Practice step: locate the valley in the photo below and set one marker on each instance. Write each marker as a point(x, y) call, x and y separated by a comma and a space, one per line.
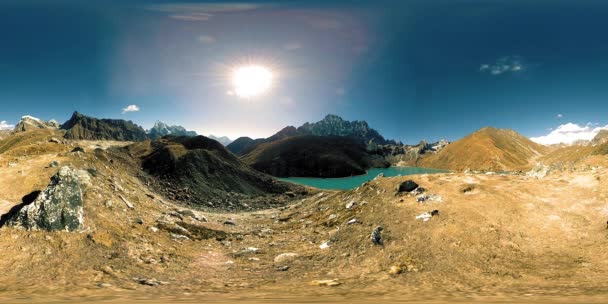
point(181, 218)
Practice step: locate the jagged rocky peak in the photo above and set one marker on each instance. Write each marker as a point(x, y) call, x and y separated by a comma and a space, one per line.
point(29, 122)
point(83, 127)
point(335, 125)
point(161, 129)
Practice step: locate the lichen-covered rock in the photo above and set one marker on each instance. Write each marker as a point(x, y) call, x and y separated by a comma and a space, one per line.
point(58, 207)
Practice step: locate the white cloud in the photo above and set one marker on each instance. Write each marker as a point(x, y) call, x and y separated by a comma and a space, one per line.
point(130, 108)
point(206, 39)
point(5, 126)
point(568, 134)
point(560, 115)
point(200, 11)
point(191, 16)
point(292, 46)
point(507, 64)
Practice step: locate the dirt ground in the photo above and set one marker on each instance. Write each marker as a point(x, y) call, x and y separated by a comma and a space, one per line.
point(497, 238)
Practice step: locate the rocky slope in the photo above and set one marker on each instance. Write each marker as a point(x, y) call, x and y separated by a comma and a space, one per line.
point(161, 129)
point(28, 123)
point(244, 145)
point(89, 128)
point(600, 138)
point(199, 171)
point(487, 149)
point(313, 156)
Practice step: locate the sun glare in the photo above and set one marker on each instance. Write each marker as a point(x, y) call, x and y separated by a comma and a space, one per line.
point(252, 80)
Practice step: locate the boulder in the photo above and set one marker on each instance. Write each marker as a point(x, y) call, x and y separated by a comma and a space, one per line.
point(58, 207)
point(408, 186)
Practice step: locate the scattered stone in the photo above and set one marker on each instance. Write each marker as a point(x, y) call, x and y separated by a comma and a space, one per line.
point(329, 283)
point(192, 214)
point(129, 205)
point(332, 217)
point(104, 285)
point(78, 149)
point(408, 186)
point(58, 207)
point(139, 221)
point(350, 205)
point(425, 217)
point(290, 194)
point(54, 164)
point(229, 223)
point(179, 237)
point(376, 236)
point(395, 270)
point(54, 140)
point(422, 198)
point(418, 190)
point(153, 229)
point(282, 268)
point(150, 282)
point(324, 245)
point(285, 257)
point(92, 171)
point(467, 188)
point(352, 221)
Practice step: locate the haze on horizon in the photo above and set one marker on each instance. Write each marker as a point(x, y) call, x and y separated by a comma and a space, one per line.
point(413, 70)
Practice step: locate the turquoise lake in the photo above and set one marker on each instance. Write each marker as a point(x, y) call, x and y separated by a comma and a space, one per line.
point(347, 183)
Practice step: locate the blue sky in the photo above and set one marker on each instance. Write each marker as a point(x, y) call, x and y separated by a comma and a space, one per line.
point(413, 69)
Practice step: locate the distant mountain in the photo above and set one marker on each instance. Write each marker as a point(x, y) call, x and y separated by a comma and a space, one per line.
point(331, 125)
point(88, 128)
point(244, 145)
point(313, 156)
point(28, 123)
point(161, 129)
point(335, 125)
point(222, 140)
point(486, 149)
point(199, 170)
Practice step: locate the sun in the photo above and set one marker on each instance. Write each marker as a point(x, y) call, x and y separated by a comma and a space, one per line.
point(251, 80)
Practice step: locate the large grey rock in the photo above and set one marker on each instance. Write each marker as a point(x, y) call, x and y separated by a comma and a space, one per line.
point(58, 207)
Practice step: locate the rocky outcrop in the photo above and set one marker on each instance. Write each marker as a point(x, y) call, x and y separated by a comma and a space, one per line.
point(600, 138)
point(88, 128)
point(161, 129)
point(244, 145)
point(58, 207)
point(28, 123)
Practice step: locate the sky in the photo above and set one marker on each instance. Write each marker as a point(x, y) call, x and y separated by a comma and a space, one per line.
point(428, 69)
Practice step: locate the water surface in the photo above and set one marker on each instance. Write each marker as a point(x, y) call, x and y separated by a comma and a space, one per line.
point(347, 183)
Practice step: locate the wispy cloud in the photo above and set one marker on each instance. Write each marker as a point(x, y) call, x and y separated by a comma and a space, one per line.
point(207, 39)
point(560, 116)
point(292, 46)
point(201, 11)
point(507, 64)
point(130, 108)
point(191, 16)
point(5, 126)
point(569, 133)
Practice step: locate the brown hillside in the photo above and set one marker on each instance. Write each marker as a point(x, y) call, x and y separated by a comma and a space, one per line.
point(487, 149)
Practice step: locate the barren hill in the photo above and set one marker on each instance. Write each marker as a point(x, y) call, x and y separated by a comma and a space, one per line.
point(200, 171)
point(313, 156)
point(487, 149)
